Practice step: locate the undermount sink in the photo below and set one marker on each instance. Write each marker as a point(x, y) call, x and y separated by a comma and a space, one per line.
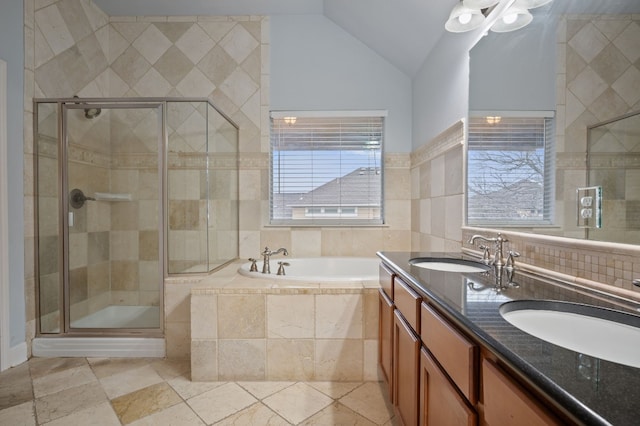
point(448, 265)
point(599, 332)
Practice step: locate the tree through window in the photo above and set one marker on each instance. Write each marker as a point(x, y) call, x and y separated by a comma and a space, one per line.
point(510, 170)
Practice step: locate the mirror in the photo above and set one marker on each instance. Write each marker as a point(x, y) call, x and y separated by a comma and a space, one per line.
point(579, 61)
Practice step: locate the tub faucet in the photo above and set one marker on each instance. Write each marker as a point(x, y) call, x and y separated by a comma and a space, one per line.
point(266, 255)
point(499, 240)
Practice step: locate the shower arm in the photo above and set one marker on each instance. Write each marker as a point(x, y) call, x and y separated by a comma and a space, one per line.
point(77, 198)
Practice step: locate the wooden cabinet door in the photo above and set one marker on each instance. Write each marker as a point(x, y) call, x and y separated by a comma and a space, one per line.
point(507, 403)
point(406, 363)
point(385, 338)
point(440, 402)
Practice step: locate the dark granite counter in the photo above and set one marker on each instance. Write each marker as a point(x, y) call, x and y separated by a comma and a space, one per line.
point(593, 391)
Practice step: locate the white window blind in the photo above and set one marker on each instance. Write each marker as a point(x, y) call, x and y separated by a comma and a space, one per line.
point(510, 176)
point(326, 169)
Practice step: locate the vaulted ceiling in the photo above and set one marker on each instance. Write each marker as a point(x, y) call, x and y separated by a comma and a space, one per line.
point(401, 31)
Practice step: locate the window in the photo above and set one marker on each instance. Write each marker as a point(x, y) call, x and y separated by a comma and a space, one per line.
point(510, 176)
point(326, 168)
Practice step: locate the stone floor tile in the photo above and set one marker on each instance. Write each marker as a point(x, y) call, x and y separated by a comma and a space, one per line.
point(230, 398)
point(188, 389)
point(170, 368)
point(337, 414)
point(176, 415)
point(40, 367)
point(15, 386)
point(68, 401)
point(144, 402)
point(335, 389)
point(297, 402)
point(18, 415)
point(106, 367)
point(61, 380)
point(262, 390)
point(371, 401)
point(100, 415)
point(129, 381)
point(256, 415)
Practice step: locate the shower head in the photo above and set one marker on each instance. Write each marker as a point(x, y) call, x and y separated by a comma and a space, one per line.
point(92, 112)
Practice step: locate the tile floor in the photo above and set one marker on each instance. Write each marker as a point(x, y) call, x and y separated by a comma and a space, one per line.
point(115, 391)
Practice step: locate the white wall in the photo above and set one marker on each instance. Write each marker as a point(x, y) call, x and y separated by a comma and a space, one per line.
point(441, 87)
point(316, 65)
point(12, 51)
point(515, 71)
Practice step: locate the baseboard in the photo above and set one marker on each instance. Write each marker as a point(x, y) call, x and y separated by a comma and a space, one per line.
point(16, 355)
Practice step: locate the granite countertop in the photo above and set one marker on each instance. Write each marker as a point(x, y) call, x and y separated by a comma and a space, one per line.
point(592, 390)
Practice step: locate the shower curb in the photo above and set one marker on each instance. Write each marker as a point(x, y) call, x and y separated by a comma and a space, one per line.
point(102, 347)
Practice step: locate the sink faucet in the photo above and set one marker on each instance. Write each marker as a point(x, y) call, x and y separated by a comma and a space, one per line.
point(499, 240)
point(266, 255)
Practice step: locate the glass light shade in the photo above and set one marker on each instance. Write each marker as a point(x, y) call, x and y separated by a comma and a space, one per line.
point(463, 19)
point(530, 4)
point(512, 19)
point(479, 4)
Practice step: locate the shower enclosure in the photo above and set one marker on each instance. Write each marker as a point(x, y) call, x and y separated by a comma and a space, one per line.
point(128, 192)
point(613, 163)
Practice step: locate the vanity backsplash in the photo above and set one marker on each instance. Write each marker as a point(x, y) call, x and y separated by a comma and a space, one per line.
point(584, 262)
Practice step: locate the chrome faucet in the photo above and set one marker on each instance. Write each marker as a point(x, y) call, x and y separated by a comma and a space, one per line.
point(266, 255)
point(499, 240)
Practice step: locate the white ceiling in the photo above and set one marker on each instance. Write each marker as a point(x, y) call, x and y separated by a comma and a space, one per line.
point(401, 31)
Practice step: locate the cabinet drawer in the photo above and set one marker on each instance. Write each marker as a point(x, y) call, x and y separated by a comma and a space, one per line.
point(386, 280)
point(407, 302)
point(440, 402)
point(506, 402)
point(455, 353)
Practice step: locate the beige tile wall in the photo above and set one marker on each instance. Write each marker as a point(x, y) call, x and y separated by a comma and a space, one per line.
point(437, 197)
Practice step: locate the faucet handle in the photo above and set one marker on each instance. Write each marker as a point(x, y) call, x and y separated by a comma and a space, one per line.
point(281, 268)
point(512, 254)
point(254, 267)
point(485, 253)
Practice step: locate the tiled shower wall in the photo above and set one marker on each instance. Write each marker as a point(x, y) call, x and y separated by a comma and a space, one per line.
point(598, 79)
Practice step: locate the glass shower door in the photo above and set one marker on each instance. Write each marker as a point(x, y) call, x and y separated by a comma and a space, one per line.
point(113, 227)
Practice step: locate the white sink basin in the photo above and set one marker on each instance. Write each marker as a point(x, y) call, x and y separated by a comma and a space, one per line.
point(602, 333)
point(448, 265)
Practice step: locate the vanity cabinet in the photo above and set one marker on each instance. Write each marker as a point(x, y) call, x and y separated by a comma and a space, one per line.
point(440, 375)
point(507, 403)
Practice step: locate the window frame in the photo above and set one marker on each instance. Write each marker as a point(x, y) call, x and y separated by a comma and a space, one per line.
point(323, 219)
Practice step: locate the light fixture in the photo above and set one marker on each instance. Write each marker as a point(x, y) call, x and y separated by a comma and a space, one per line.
point(463, 19)
point(512, 19)
point(290, 120)
point(469, 14)
point(493, 119)
point(480, 4)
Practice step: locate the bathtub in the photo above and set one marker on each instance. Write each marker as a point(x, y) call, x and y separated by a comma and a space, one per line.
point(313, 269)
